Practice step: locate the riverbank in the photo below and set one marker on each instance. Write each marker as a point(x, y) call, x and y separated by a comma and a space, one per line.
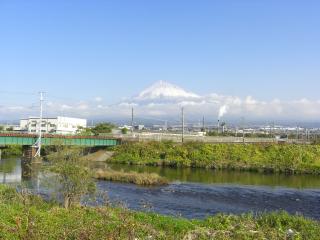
point(273, 158)
point(99, 156)
point(29, 217)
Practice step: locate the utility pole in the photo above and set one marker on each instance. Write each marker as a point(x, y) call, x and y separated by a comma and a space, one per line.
point(131, 120)
point(243, 133)
point(273, 129)
point(39, 141)
point(182, 120)
point(270, 130)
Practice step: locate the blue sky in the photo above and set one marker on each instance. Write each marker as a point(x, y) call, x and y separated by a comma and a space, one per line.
point(113, 49)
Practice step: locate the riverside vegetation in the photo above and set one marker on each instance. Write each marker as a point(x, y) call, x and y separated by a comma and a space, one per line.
point(25, 216)
point(289, 158)
point(144, 179)
point(253, 157)
point(12, 151)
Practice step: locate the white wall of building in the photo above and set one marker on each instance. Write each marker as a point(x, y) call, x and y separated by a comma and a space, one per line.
point(66, 125)
point(58, 125)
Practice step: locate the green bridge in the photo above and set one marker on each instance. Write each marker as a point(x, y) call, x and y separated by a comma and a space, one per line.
point(30, 140)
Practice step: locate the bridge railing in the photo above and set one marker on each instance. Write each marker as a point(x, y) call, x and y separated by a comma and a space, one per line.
point(49, 139)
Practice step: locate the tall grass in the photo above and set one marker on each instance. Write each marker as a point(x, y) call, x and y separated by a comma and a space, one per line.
point(12, 151)
point(24, 216)
point(145, 179)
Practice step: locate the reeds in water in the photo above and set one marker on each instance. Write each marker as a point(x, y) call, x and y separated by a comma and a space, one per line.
point(144, 179)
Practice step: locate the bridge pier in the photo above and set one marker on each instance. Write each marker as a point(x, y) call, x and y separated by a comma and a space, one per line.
point(29, 162)
point(29, 168)
point(28, 152)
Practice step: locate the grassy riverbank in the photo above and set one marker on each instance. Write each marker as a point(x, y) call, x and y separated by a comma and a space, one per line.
point(252, 157)
point(144, 179)
point(29, 217)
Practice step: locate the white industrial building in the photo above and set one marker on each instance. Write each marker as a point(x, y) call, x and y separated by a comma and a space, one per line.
point(57, 125)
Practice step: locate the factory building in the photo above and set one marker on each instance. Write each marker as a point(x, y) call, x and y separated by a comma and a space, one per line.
point(57, 125)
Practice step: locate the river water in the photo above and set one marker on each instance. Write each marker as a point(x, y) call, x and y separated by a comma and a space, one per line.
point(197, 193)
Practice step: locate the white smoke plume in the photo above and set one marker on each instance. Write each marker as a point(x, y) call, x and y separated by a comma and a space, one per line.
point(222, 111)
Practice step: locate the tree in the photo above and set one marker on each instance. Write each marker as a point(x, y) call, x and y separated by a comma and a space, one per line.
point(81, 131)
point(103, 128)
point(73, 174)
point(1, 128)
point(9, 129)
point(124, 130)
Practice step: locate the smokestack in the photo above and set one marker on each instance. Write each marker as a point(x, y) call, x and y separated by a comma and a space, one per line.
point(203, 125)
point(218, 126)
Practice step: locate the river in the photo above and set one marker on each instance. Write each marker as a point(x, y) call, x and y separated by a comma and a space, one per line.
point(197, 193)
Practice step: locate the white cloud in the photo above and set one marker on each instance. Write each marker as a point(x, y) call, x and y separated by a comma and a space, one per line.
point(98, 99)
point(127, 104)
point(83, 106)
point(65, 107)
point(155, 102)
point(235, 107)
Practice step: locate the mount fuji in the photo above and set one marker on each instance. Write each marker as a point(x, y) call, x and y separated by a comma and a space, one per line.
point(165, 90)
point(162, 92)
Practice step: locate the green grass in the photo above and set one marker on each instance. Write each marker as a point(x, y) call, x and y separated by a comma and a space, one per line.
point(28, 217)
point(12, 151)
point(144, 179)
point(252, 157)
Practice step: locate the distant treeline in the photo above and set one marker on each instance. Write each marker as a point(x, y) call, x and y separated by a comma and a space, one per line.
point(251, 157)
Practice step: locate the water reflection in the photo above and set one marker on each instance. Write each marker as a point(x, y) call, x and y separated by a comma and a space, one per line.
point(10, 171)
point(210, 176)
point(17, 171)
point(20, 172)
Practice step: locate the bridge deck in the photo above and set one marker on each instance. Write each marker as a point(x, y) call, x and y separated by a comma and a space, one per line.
point(30, 139)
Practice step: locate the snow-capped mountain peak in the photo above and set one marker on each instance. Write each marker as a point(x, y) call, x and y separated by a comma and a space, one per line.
point(164, 90)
